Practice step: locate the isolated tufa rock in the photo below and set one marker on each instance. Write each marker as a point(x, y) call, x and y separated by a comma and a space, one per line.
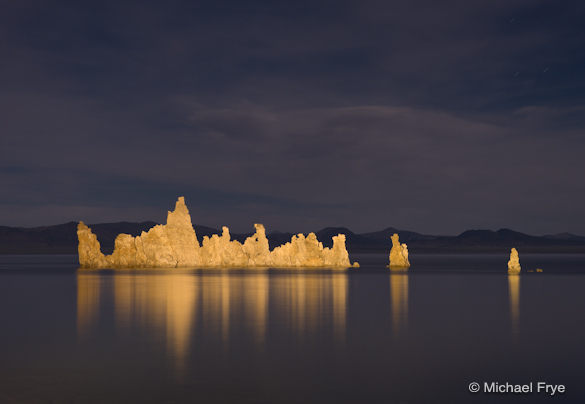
point(175, 245)
point(398, 254)
point(514, 262)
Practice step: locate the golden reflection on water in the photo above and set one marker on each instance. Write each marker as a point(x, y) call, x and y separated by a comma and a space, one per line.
point(226, 295)
point(514, 294)
point(88, 299)
point(163, 302)
point(309, 301)
point(225, 308)
point(399, 301)
point(256, 292)
point(179, 306)
point(339, 287)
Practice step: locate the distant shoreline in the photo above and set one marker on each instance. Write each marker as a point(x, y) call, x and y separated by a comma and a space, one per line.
point(62, 240)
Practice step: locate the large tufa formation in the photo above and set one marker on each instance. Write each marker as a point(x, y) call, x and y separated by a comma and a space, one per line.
point(175, 245)
point(514, 262)
point(398, 254)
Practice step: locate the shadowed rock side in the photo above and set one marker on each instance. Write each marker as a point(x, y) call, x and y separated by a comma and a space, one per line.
point(514, 262)
point(398, 254)
point(175, 245)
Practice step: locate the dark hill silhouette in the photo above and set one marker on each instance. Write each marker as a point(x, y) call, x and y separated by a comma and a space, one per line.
point(405, 235)
point(565, 236)
point(495, 241)
point(353, 241)
point(62, 239)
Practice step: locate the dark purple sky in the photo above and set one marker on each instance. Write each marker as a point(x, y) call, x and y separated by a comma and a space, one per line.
point(433, 116)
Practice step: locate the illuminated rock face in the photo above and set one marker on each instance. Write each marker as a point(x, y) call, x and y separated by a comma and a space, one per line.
point(307, 251)
point(89, 250)
point(398, 254)
point(514, 262)
point(181, 235)
point(175, 245)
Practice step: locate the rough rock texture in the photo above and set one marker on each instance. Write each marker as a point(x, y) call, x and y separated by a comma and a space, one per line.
point(514, 262)
point(307, 251)
point(398, 254)
point(181, 235)
point(89, 249)
point(175, 245)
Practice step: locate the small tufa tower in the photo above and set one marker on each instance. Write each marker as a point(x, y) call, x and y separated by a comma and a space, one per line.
point(514, 263)
point(398, 254)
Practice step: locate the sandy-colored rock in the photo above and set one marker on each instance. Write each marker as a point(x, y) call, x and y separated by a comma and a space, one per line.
point(175, 245)
point(398, 254)
point(337, 255)
point(157, 248)
point(181, 235)
point(514, 262)
point(89, 249)
point(222, 251)
point(256, 248)
point(307, 251)
point(124, 254)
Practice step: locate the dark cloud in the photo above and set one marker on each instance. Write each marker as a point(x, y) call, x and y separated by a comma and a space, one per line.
point(429, 116)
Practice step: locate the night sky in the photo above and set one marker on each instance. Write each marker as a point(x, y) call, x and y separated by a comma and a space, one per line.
point(432, 116)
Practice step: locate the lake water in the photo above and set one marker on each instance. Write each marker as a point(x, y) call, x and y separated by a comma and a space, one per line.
point(363, 335)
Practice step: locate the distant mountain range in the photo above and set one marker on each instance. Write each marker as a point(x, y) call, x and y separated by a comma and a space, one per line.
point(62, 239)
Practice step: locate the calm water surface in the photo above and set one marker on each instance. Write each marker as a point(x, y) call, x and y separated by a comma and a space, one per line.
point(291, 336)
